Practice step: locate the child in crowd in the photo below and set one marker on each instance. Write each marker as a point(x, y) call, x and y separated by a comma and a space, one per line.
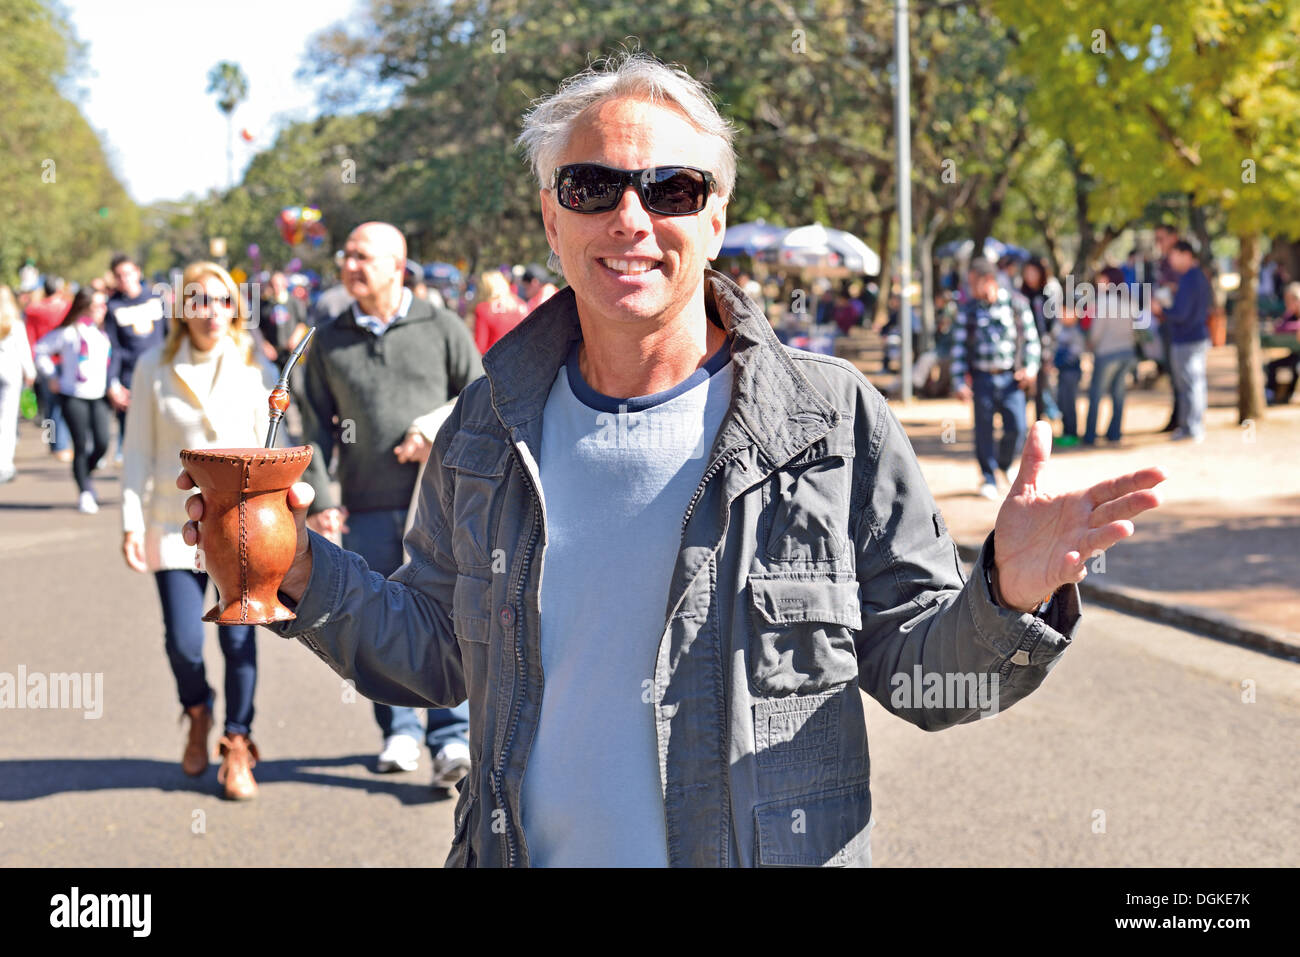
point(1070, 346)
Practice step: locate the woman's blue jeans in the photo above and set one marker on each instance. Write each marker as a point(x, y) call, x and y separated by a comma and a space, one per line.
point(181, 592)
point(1109, 377)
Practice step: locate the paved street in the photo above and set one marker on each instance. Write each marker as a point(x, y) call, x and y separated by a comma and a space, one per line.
point(1140, 722)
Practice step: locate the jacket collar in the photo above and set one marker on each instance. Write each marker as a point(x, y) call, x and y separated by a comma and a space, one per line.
point(772, 402)
point(415, 311)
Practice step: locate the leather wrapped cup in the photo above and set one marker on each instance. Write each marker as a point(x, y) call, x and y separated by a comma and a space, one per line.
point(249, 536)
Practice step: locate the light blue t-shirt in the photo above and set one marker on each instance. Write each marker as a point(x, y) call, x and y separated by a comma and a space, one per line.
point(617, 475)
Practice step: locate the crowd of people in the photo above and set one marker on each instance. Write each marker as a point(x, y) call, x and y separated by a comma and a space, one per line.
point(193, 366)
point(1011, 333)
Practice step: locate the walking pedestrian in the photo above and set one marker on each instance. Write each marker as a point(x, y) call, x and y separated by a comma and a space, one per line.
point(80, 384)
point(1189, 340)
point(537, 287)
point(205, 386)
point(497, 311)
point(1277, 391)
point(995, 357)
point(46, 309)
point(1071, 343)
point(1166, 285)
point(282, 319)
point(1112, 343)
point(1034, 286)
point(16, 371)
point(136, 323)
point(387, 360)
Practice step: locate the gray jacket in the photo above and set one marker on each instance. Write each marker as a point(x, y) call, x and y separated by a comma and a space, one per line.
point(813, 561)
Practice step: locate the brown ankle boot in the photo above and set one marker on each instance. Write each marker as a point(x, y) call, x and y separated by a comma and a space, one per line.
point(195, 760)
point(239, 756)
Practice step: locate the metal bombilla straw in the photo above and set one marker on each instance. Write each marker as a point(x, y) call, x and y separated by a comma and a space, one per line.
point(279, 397)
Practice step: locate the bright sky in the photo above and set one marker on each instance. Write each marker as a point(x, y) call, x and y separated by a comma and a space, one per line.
point(147, 73)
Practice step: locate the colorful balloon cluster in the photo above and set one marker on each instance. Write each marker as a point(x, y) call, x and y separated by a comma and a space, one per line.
point(298, 223)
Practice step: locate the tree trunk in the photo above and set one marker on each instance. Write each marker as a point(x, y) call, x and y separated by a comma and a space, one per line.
point(881, 313)
point(230, 150)
point(1250, 376)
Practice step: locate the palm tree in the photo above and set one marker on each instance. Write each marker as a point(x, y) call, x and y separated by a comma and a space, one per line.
point(227, 80)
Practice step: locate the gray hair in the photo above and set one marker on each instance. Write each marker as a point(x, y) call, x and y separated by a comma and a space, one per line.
point(548, 124)
point(1292, 289)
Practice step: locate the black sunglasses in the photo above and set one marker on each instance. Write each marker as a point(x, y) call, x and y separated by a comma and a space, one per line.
point(201, 300)
point(666, 190)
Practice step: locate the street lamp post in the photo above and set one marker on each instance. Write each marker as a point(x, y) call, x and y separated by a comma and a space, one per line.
point(903, 125)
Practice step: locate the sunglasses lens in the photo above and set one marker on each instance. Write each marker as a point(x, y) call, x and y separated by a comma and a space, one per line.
point(674, 190)
point(666, 190)
point(586, 188)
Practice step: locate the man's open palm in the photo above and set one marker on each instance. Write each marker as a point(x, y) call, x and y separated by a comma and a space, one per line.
point(1043, 541)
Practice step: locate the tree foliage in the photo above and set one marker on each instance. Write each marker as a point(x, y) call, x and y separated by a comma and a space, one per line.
point(1200, 97)
point(61, 203)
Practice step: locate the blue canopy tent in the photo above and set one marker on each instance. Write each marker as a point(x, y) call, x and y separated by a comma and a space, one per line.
point(994, 249)
point(750, 239)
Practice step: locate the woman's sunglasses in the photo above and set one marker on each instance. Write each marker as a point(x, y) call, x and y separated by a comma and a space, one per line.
point(201, 301)
point(666, 190)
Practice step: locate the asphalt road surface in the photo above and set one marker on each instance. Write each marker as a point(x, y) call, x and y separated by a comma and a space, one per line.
point(1139, 750)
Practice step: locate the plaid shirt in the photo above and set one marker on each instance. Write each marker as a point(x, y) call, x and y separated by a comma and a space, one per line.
point(995, 336)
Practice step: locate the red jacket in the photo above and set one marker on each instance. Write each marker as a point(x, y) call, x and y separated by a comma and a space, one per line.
point(44, 316)
point(492, 320)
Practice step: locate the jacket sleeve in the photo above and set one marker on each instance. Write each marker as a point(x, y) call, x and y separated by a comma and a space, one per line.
point(22, 349)
point(139, 451)
point(114, 333)
point(1033, 353)
point(318, 427)
point(464, 363)
point(48, 346)
point(959, 337)
point(919, 611)
point(393, 638)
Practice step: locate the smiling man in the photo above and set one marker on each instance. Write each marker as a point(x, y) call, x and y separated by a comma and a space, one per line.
point(660, 553)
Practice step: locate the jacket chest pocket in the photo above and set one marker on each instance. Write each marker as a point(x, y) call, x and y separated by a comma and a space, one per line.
point(479, 463)
point(802, 639)
point(805, 512)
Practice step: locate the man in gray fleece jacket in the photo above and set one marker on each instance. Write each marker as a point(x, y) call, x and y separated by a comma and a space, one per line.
point(372, 371)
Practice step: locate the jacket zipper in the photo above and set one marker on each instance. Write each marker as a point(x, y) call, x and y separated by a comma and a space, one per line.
point(520, 676)
point(708, 476)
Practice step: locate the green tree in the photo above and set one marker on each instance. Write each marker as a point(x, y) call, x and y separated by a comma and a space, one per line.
point(227, 80)
point(1201, 97)
point(61, 204)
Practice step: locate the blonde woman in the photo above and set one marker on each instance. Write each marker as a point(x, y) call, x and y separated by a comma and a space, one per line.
point(16, 371)
point(498, 310)
point(206, 386)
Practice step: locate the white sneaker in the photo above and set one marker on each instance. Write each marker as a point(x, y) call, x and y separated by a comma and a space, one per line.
point(401, 753)
point(1011, 474)
point(450, 764)
point(990, 491)
point(86, 503)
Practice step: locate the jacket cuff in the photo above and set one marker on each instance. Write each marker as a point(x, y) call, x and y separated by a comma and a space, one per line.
point(1024, 637)
point(323, 594)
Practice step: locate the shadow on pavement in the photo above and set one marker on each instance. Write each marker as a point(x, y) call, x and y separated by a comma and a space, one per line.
point(26, 780)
